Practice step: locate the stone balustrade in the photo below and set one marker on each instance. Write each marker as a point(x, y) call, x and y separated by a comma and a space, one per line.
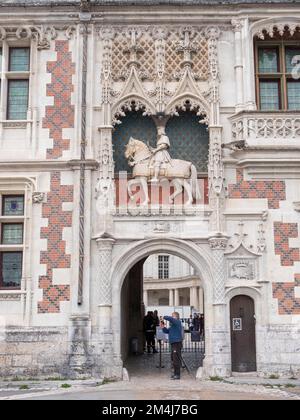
point(257, 127)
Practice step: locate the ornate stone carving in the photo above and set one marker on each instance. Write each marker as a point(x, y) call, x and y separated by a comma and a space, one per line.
point(242, 270)
point(216, 167)
point(252, 126)
point(15, 124)
point(213, 34)
point(218, 243)
point(38, 197)
point(271, 28)
point(186, 46)
point(261, 238)
point(10, 296)
point(237, 25)
point(42, 34)
point(107, 35)
point(131, 105)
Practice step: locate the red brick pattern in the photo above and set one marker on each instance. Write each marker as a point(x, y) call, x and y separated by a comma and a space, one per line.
point(274, 191)
point(61, 114)
point(288, 304)
point(282, 234)
point(55, 256)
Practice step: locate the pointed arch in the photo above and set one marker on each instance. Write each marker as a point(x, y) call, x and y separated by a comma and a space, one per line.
point(189, 101)
point(131, 102)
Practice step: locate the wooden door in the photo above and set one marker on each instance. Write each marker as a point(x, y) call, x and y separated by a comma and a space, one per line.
point(243, 337)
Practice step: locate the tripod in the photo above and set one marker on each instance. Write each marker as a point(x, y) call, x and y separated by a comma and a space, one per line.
point(160, 366)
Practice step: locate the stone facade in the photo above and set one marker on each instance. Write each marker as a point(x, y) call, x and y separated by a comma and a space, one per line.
point(83, 241)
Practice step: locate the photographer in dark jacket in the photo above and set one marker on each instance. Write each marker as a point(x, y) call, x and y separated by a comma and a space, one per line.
point(175, 339)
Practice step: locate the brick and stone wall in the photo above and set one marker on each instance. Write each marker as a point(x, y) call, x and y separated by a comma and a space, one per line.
point(273, 191)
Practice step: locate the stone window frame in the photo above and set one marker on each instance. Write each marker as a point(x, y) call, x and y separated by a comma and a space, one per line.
point(6, 75)
point(282, 77)
point(20, 186)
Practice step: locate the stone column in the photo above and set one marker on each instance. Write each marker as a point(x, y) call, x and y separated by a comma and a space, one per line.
point(201, 300)
point(146, 298)
point(171, 297)
point(239, 69)
point(194, 297)
point(177, 302)
point(105, 247)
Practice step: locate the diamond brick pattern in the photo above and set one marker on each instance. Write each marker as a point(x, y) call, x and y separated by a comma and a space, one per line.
point(282, 234)
point(288, 304)
point(55, 256)
point(61, 114)
point(273, 191)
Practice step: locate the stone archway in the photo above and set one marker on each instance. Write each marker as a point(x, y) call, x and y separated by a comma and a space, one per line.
point(196, 255)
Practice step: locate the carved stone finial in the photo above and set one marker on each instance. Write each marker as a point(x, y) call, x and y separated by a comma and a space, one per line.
point(38, 197)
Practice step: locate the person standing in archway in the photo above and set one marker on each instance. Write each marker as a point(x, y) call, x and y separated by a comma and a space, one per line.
point(149, 330)
point(175, 339)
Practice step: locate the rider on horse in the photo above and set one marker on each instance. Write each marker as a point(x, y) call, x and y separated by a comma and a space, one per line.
point(161, 155)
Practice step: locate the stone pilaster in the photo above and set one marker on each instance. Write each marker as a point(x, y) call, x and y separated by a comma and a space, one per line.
point(239, 68)
point(218, 247)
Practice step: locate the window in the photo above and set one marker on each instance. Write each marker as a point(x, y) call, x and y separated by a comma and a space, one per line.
point(17, 100)
point(14, 81)
point(19, 59)
point(277, 87)
point(12, 238)
point(163, 266)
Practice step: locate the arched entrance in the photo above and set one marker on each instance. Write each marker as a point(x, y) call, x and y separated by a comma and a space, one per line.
point(196, 255)
point(243, 337)
point(149, 279)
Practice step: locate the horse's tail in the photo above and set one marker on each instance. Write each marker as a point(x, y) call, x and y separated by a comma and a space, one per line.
point(194, 182)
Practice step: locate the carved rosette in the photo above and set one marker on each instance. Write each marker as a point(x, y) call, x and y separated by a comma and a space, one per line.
point(105, 247)
point(218, 246)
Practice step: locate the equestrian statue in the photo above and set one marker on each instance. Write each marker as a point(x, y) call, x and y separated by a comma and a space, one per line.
point(156, 164)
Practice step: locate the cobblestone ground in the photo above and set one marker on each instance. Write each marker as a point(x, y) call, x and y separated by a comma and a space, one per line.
point(147, 382)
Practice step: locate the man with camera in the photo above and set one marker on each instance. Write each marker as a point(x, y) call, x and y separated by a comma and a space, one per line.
point(175, 332)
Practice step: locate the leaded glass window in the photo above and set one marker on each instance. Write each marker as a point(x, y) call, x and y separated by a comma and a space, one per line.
point(13, 205)
point(12, 233)
point(293, 92)
point(189, 139)
point(19, 59)
point(277, 68)
point(135, 125)
point(268, 60)
point(17, 99)
point(269, 95)
point(11, 269)
point(292, 56)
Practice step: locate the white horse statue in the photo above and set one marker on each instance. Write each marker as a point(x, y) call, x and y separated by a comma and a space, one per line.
point(183, 174)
